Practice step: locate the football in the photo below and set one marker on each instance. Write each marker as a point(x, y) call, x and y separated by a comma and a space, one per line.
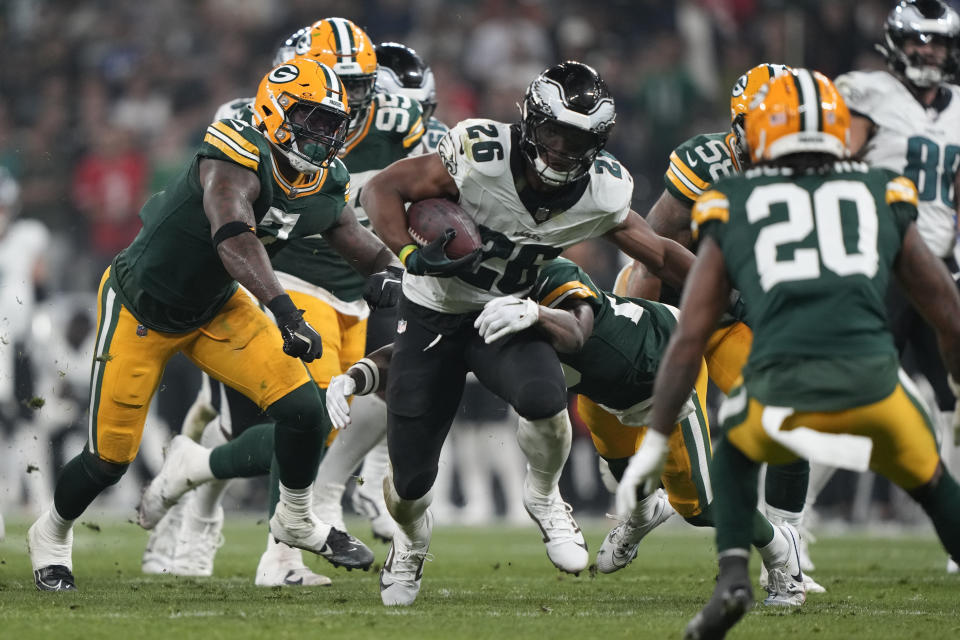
point(427, 219)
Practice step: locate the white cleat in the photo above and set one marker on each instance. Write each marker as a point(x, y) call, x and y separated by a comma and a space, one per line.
point(50, 557)
point(162, 543)
point(566, 547)
point(806, 539)
point(785, 581)
point(368, 501)
point(952, 566)
point(309, 533)
point(173, 480)
point(327, 504)
point(282, 566)
point(402, 571)
point(620, 546)
point(197, 542)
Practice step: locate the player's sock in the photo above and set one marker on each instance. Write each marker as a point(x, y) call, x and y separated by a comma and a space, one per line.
point(410, 515)
point(247, 456)
point(82, 479)
point(820, 475)
point(785, 490)
point(546, 444)
point(734, 478)
point(206, 497)
point(775, 549)
point(302, 429)
point(942, 504)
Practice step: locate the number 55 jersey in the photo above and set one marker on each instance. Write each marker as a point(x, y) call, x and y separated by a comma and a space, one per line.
point(812, 253)
point(922, 143)
point(521, 228)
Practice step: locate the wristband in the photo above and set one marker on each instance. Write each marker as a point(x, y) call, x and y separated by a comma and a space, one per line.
point(405, 253)
point(281, 306)
point(231, 229)
point(367, 376)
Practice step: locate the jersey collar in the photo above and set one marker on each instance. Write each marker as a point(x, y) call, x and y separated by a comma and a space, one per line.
point(541, 206)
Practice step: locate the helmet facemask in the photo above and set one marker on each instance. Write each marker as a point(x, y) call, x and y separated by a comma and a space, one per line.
point(560, 153)
point(928, 24)
point(359, 89)
point(312, 134)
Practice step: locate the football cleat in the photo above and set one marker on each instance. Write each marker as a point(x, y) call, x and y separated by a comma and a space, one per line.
point(197, 542)
point(620, 546)
point(952, 566)
point(282, 566)
point(723, 611)
point(402, 571)
point(370, 503)
point(162, 543)
point(172, 482)
point(55, 577)
point(309, 533)
point(566, 547)
point(51, 558)
point(785, 583)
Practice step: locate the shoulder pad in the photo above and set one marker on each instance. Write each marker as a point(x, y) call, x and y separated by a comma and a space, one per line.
point(901, 189)
point(477, 144)
point(861, 88)
point(712, 205)
point(561, 279)
point(611, 190)
point(236, 140)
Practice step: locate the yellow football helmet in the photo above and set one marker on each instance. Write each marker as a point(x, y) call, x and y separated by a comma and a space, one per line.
point(744, 89)
point(801, 112)
point(301, 109)
point(348, 50)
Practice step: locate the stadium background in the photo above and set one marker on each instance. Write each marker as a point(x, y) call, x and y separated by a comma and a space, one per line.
point(101, 101)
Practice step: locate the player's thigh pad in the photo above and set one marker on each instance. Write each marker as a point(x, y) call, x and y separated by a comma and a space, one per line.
point(243, 348)
point(727, 351)
point(128, 363)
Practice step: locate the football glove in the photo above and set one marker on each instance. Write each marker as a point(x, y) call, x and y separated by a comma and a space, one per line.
point(505, 315)
point(383, 288)
point(340, 389)
point(431, 259)
point(643, 472)
point(300, 340)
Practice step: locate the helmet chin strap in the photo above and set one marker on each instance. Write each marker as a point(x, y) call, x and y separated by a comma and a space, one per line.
point(298, 162)
point(550, 176)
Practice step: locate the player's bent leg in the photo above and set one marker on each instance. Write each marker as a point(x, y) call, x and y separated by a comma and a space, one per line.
point(369, 501)
point(402, 570)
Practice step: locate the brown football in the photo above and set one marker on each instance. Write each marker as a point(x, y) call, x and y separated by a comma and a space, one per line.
point(427, 219)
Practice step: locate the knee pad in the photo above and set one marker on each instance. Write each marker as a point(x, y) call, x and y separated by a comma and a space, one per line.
point(102, 472)
point(413, 487)
point(539, 399)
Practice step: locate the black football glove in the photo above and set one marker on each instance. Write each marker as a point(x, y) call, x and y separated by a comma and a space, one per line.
point(383, 288)
point(431, 260)
point(300, 340)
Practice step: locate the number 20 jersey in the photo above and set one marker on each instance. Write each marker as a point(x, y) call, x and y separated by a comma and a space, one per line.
point(483, 156)
point(921, 143)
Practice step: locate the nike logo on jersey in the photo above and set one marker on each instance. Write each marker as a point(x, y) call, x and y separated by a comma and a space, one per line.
point(236, 124)
point(690, 161)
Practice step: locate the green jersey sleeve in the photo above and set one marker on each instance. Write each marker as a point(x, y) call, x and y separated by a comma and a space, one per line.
point(902, 197)
point(561, 280)
point(234, 141)
point(698, 163)
point(710, 214)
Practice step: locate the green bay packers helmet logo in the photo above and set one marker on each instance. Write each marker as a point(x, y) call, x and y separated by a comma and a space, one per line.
point(284, 73)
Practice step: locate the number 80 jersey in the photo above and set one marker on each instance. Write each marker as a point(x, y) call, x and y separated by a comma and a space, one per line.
point(519, 234)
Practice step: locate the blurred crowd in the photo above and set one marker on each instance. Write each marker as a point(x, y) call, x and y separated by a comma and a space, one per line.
point(101, 101)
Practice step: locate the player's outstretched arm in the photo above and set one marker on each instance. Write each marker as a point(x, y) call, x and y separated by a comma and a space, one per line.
point(368, 375)
point(666, 258)
point(408, 180)
point(568, 327)
point(670, 218)
point(364, 251)
point(933, 292)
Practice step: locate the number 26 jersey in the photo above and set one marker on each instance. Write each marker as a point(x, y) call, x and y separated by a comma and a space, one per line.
point(519, 227)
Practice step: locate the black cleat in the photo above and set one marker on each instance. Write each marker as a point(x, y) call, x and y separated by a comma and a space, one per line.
point(55, 577)
point(343, 550)
point(723, 611)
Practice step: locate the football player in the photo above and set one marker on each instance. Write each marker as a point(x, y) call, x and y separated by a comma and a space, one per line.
point(174, 289)
point(610, 348)
point(532, 188)
point(383, 127)
point(907, 119)
point(823, 379)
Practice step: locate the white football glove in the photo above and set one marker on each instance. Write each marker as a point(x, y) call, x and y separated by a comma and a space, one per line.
point(341, 387)
point(505, 315)
point(644, 471)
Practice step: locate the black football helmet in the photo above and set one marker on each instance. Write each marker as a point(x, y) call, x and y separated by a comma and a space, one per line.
point(403, 71)
point(924, 21)
point(297, 43)
point(566, 118)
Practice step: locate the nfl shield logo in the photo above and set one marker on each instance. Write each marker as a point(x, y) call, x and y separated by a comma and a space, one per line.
point(141, 330)
point(401, 326)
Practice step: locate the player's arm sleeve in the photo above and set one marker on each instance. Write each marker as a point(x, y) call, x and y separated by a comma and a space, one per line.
point(562, 280)
point(709, 216)
point(230, 140)
point(901, 197)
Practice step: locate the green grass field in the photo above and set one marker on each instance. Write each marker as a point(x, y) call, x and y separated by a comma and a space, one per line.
point(484, 583)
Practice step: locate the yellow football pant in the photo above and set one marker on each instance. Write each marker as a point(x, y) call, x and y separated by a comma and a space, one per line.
point(240, 346)
point(686, 475)
point(904, 441)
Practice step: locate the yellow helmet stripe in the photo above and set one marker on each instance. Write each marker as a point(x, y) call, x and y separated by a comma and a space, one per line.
point(575, 289)
point(901, 189)
point(415, 134)
point(691, 178)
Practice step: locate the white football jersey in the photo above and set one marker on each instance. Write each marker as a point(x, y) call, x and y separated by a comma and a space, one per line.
point(477, 154)
point(921, 143)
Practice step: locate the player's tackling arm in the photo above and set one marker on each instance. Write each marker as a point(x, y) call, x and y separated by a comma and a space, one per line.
point(229, 191)
point(664, 257)
point(670, 218)
point(933, 292)
point(362, 250)
point(408, 180)
point(568, 327)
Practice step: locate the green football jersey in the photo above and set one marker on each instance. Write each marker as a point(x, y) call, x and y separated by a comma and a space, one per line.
point(171, 277)
point(391, 129)
point(812, 255)
point(698, 163)
point(618, 363)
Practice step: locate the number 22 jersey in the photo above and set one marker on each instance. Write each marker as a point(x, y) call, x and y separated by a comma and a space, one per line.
point(520, 229)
